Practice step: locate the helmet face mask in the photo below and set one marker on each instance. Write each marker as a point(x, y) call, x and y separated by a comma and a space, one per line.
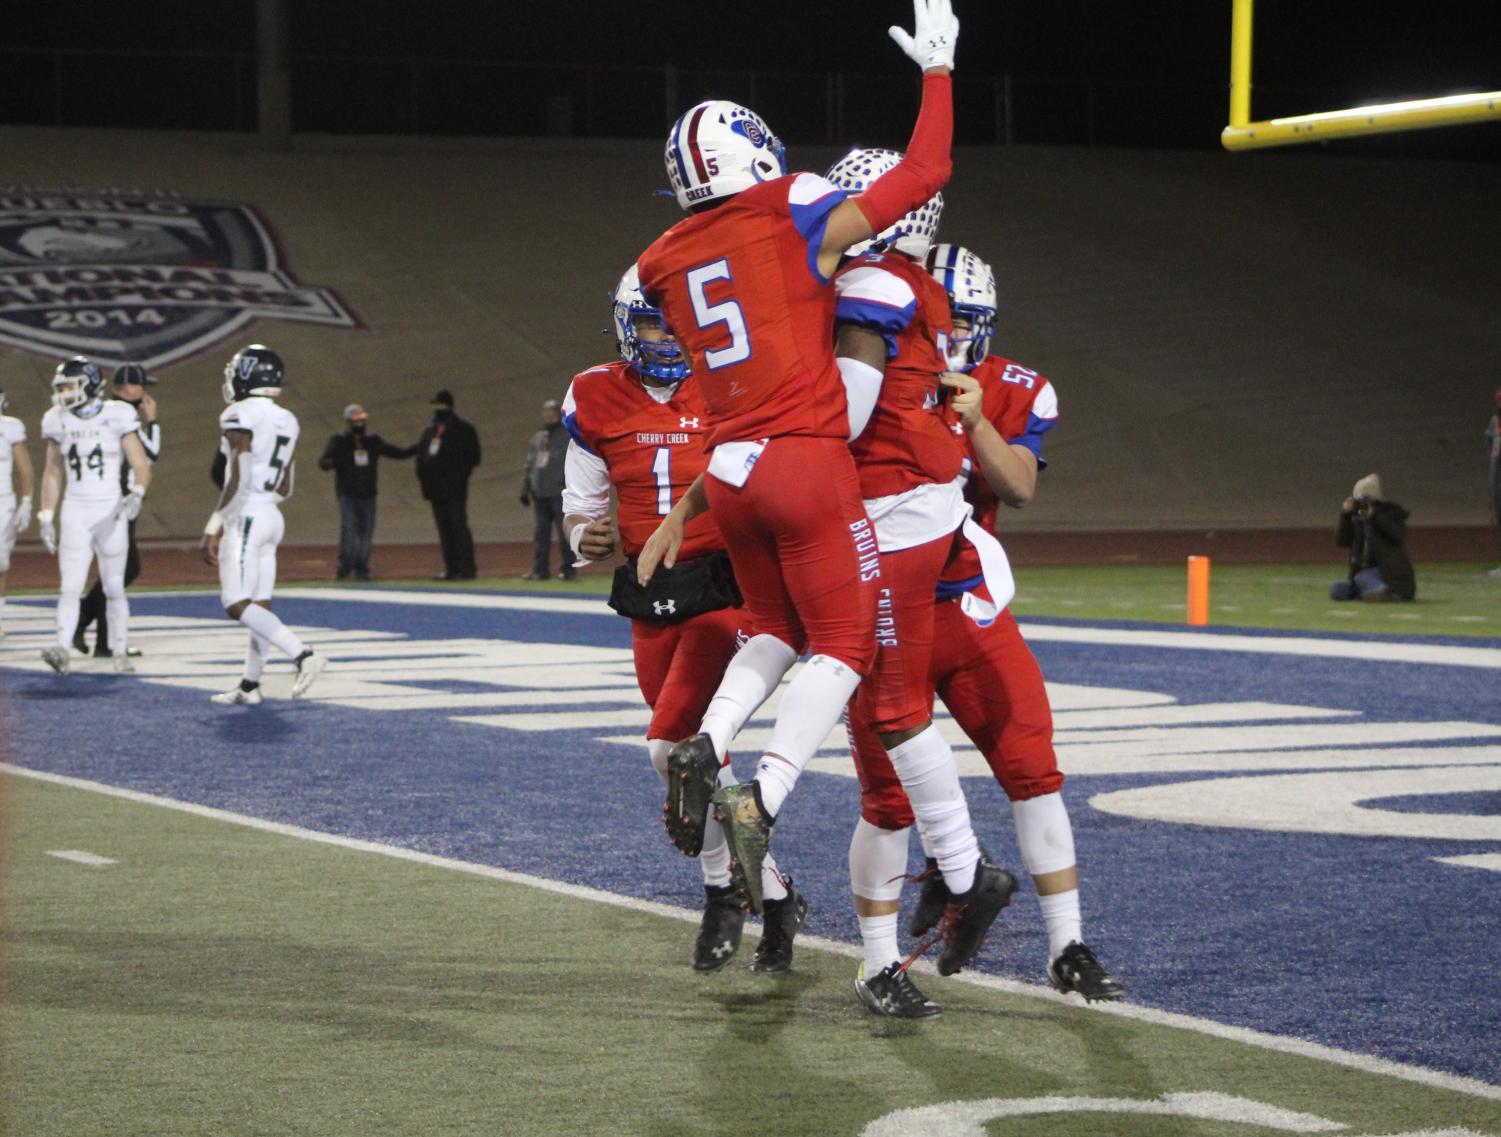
point(254, 370)
point(660, 359)
point(76, 383)
point(970, 284)
point(719, 148)
point(912, 234)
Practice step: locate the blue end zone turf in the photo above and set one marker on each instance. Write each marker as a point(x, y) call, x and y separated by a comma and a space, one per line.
point(1364, 942)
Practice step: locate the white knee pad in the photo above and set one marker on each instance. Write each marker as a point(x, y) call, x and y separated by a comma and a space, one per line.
point(878, 861)
point(1044, 833)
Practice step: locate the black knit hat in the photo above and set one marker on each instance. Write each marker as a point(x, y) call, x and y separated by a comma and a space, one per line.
point(128, 373)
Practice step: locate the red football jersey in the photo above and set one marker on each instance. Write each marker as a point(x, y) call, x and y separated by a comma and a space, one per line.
point(739, 286)
point(653, 450)
point(1022, 406)
point(907, 443)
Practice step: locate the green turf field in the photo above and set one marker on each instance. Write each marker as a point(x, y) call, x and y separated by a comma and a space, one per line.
point(1453, 599)
point(221, 979)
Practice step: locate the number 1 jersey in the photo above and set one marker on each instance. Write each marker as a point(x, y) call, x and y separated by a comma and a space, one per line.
point(740, 288)
point(273, 437)
point(91, 448)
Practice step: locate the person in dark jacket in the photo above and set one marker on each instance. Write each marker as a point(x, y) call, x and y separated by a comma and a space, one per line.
point(542, 489)
point(447, 454)
point(353, 457)
point(1373, 530)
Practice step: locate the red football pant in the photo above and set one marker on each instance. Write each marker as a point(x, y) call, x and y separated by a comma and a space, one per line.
point(678, 667)
point(803, 550)
point(898, 692)
point(992, 685)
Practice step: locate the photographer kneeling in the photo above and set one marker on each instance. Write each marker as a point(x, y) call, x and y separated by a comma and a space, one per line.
point(1373, 530)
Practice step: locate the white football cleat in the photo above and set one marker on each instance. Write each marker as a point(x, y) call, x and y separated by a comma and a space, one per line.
point(124, 664)
point(238, 697)
point(57, 659)
point(310, 665)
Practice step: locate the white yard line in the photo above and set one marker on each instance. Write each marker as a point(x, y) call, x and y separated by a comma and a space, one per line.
point(79, 857)
point(1364, 1063)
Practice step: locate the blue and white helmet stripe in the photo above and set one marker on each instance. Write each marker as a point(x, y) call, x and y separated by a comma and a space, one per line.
point(660, 359)
point(970, 283)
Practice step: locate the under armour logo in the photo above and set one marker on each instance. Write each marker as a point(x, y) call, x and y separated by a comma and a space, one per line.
point(688, 423)
point(957, 428)
point(724, 949)
point(664, 607)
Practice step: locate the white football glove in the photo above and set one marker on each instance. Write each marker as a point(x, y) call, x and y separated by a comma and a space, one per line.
point(133, 502)
point(23, 515)
point(49, 532)
point(935, 34)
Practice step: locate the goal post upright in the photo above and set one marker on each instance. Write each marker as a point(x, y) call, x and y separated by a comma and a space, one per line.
point(1388, 118)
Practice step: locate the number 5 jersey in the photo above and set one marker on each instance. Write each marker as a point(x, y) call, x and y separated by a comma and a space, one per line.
point(273, 438)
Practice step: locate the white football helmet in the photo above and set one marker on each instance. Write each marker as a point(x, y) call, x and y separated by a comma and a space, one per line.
point(970, 283)
point(76, 383)
point(661, 359)
point(912, 234)
point(718, 148)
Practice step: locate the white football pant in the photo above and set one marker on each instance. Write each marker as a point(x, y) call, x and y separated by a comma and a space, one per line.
point(87, 529)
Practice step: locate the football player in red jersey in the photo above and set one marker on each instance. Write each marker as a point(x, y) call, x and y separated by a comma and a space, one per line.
point(638, 425)
point(892, 319)
point(986, 675)
point(745, 285)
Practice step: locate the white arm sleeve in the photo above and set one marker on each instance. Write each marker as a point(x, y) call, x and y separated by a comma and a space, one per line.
point(586, 492)
point(862, 386)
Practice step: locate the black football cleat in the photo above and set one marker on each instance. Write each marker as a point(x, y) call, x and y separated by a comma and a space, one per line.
point(1077, 969)
point(783, 919)
point(720, 930)
point(893, 994)
point(80, 645)
point(931, 901)
point(969, 916)
point(692, 776)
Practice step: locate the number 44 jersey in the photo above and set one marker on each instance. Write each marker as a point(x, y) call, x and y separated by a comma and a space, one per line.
point(273, 437)
point(91, 448)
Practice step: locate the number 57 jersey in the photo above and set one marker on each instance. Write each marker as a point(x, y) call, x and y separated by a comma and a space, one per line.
point(740, 288)
point(273, 437)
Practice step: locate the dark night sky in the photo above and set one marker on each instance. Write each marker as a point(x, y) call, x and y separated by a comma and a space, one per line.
point(1311, 54)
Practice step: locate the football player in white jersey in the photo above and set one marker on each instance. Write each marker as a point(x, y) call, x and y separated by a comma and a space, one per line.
point(87, 439)
point(15, 507)
point(259, 437)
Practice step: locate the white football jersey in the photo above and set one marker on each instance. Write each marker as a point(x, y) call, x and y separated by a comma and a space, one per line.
point(91, 448)
point(273, 437)
point(12, 431)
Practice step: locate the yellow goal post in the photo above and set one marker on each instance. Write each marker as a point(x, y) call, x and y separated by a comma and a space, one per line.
point(1387, 118)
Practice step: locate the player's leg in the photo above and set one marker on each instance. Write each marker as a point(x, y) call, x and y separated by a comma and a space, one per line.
point(7, 541)
point(1000, 701)
point(90, 611)
point(113, 550)
point(694, 765)
point(75, 550)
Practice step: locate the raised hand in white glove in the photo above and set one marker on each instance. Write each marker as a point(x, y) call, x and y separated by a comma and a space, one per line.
point(133, 502)
point(935, 33)
point(49, 531)
point(23, 515)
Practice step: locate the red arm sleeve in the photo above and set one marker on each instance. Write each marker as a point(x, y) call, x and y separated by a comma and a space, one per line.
point(925, 168)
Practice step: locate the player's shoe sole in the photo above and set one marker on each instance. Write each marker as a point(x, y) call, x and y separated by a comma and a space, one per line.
point(1077, 970)
point(720, 930)
point(692, 775)
point(969, 916)
point(892, 993)
point(747, 831)
point(783, 920)
point(238, 697)
point(57, 659)
point(309, 667)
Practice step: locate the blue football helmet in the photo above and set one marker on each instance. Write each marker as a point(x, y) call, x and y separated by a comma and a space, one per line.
point(254, 370)
point(661, 359)
point(76, 383)
point(970, 283)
